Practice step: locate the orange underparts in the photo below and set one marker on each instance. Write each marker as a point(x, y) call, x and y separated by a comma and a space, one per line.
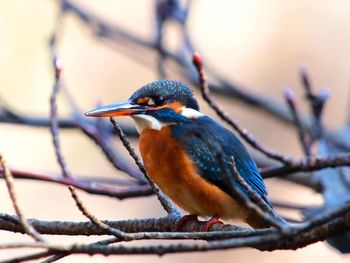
point(169, 166)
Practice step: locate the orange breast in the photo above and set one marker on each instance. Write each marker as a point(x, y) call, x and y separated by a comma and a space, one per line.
point(168, 165)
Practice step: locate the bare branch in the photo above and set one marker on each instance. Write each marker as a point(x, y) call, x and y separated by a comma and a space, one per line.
point(274, 240)
point(224, 116)
point(62, 255)
point(263, 210)
point(290, 98)
point(316, 103)
point(311, 163)
point(287, 205)
point(57, 68)
point(27, 227)
point(88, 186)
point(321, 226)
point(103, 140)
point(116, 232)
point(164, 200)
point(54, 124)
point(150, 227)
point(8, 115)
point(24, 258)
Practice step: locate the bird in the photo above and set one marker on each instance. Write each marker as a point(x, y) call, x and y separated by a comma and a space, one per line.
point(180, 146)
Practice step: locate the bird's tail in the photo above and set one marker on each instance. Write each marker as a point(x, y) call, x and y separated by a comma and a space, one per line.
point(256, 221)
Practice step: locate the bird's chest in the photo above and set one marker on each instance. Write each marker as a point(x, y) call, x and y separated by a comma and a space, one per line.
point(169, 166)
point(165, 160)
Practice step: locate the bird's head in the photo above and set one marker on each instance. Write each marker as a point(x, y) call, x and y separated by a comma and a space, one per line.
point(155, 105)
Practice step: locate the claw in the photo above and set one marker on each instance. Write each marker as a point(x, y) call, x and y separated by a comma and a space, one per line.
point(207, 225)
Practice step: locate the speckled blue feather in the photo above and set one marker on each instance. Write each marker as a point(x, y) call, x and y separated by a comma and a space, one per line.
point(205, 139)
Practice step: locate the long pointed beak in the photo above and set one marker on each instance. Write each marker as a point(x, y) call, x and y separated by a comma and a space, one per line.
point(124, 108)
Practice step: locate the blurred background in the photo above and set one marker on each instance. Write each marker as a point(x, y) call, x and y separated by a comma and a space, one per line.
point(260, 44)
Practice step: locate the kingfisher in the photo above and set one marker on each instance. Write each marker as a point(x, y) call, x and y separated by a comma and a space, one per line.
point(180, 146)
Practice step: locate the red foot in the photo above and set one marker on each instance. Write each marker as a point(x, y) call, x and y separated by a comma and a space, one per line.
point(210, 222)
point(183, 220)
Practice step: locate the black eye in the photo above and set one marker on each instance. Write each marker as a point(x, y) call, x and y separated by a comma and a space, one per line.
point(158, 101)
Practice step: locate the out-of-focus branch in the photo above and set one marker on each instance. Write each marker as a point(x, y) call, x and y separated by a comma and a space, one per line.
point(8, 115)
point(306, 164)
point(290, 98)
point(316, 104)
point(59, 256)
point(197, 61)
point(25, 258)
point(133, 190)
point(103, 140)
point(99, 138)
point(103, 29)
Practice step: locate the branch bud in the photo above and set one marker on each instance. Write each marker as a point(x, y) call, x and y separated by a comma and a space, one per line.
point(305, 79)
point(58, 67)
point(289, 95)
point(197, 60)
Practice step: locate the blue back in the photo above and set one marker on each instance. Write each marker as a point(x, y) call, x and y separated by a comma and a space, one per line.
point(205, 140)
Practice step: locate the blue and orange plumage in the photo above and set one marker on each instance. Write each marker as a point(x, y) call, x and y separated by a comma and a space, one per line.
point(179, 147)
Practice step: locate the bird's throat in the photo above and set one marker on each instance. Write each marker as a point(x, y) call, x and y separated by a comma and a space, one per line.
point(147, 122)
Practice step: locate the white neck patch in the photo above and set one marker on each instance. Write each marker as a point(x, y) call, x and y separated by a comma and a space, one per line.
point(147, 122)
point(191, 113)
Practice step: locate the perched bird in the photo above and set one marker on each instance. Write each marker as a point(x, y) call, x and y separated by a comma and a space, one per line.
point(180, 147)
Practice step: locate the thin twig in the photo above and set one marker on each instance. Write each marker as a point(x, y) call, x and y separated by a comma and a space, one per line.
point(116, 232)
point(24, 258)
point(291, 206)
point(103, 141)
point(260, 208)
point(164, 200)
point(291, 101)
point(316, 103)
point(27, 227)
point(197, 61)
point(102, 138)
point(62, 255)
point(309, 163)
point(54, 124)
point(88, 186)
point(57, 69)
point(8, 115)
point(123, 236)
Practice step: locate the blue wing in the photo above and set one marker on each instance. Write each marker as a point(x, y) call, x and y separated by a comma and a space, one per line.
point(204, 139)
